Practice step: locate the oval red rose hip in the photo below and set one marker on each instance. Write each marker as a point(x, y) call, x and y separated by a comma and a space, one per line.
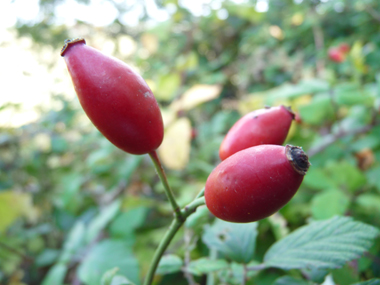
point(115, 98)
point(263, 126)
point(254, 183)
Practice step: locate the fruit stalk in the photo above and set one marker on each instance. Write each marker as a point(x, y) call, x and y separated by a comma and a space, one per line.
point(169, 235)
point(168, 191)
point(174, 227)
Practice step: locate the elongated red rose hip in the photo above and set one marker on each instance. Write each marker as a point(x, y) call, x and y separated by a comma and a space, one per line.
point(115, 98)
point(263, 126)
point(255, 183)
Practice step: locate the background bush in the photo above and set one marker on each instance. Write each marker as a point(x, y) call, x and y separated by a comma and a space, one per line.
point(69, 199)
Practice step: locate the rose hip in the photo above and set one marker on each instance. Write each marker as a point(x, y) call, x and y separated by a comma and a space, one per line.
point(115, 98)
point(255, 183)
point(263, 126)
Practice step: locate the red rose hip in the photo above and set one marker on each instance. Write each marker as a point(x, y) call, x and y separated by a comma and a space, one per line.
point(115, 98)
point(344, 48)
point(336, 55)
point(263, 126)
point(255, 183)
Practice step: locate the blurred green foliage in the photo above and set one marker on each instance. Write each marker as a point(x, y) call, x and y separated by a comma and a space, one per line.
point(73, 207)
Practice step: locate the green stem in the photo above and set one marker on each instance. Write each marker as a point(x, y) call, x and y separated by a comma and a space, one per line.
point(201, 193)
point(169, 193)
point(189, 209)
point(174, 227)
point(213, 255)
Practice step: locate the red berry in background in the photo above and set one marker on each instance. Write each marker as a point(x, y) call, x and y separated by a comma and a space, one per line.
point(255, 183)
point(336, 55)
point(115, 98)
point(263, 126)
point(344, 48)
point(194, 133)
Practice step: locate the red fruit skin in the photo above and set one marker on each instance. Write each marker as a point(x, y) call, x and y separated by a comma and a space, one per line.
point(115, 98)
point(336, 55)
point(252, 184)
point(344, 48)
point(263, 126)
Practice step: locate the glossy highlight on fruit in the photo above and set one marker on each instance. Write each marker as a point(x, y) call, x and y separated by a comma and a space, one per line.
point(263, 126)
point(255, 183)
point(115, 98)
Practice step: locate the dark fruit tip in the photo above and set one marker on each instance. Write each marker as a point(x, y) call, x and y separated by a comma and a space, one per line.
point(70, 42)
point(297, 158)
point(289, 109)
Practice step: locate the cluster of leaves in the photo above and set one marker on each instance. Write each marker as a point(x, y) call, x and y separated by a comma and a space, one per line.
point(74, 209)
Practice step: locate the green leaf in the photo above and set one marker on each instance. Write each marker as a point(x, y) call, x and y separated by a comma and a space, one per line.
point(316, 275)
point(101, 220)
point(111, 278)
point(168, 84)
point(325, 244)
point(288, 280)
point(328, 204)
point(352, 94)
point(74, 241)
point(373, 177)
point(317, 178)
point(345, 174)
point(14, 205)
point(369, 282)
point(108, 276)
point(128, 166)
point(279, 225)
point(370, 140)
point(234, 241)
point(335, 175)
point(121, 280)
point(47, 257)
point(126, 223)
point(59, 144)
point(369, 202)
point(236, 273)
point(346, 275)
point(56, 275)
point(319, 110)
point(205, 265)
point(99, 157)
point(107, 255)
point(290, 91)
point(70, 185)
point(199, 218)
point(169, 263)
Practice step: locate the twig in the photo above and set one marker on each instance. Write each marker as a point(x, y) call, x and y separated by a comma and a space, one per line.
point(245, 277)
point(319, 43)
point(373, 13)
point(168, 191)
point(15, 251)
point(189, 277)
point(174, 227)
point(211, 276)
point(332, 138)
